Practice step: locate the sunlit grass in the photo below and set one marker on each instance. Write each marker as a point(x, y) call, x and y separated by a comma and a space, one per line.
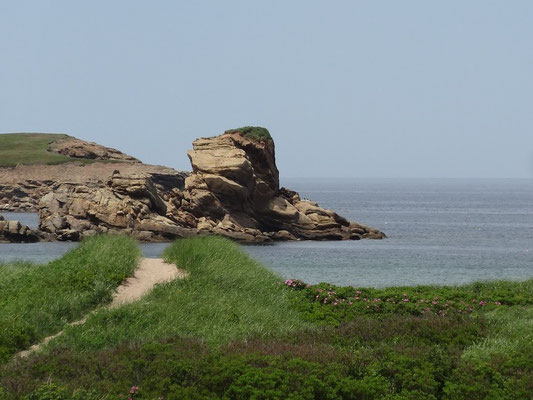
point(227, 296)
point(37, 300)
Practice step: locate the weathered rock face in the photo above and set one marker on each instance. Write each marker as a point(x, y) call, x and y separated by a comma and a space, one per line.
point(15, 232)
point(233, 191)
point(24, 195)
point(78, 148)
point(128, 204)
point(234, 186)
point(22, 187)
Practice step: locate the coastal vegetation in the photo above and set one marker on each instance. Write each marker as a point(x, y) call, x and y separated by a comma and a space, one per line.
point(252, 132)
point(234, 330)
point(30, 148)
point(227, 296)
point(38, 300)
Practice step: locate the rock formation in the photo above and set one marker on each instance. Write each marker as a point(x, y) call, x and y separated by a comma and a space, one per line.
point(233, 191)
point(128, 204)
point(22, 187)
point(78, 148)
point(14, 231)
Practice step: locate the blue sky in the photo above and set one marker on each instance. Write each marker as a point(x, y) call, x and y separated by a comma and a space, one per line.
point(347, 88)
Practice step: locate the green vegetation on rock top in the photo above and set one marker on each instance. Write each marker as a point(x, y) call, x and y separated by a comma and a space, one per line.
point(252, 132)
point(30, 149)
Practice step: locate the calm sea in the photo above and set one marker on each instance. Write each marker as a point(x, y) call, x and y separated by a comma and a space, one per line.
point(439, 232)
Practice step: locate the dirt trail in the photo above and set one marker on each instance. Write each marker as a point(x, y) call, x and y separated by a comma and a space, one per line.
point(149, 272)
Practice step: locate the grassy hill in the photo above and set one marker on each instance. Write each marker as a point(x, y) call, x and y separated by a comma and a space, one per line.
point(32, 148)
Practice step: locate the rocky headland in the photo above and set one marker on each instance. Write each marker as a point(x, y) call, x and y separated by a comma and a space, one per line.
point(233, 190)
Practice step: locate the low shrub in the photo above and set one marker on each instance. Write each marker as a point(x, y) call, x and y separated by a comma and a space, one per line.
point(328, 304)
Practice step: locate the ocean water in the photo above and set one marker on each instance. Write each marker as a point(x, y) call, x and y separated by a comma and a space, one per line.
point(439, 232)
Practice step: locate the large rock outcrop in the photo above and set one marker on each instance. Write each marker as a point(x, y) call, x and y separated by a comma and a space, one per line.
point(234, 187)
point(22, 187)
point(122, 204)
point(233, 191)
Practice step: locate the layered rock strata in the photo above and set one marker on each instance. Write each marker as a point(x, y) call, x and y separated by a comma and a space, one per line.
point(122, 204)
point(22, 187)
point(232, 191)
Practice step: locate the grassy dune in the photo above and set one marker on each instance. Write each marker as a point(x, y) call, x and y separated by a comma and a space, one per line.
point(227, 296)
point(37, 300)
point(234, 330)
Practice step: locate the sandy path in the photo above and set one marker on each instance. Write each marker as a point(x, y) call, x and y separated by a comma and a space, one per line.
point(149, 272)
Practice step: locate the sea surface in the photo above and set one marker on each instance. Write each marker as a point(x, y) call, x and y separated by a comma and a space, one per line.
point(439, 232)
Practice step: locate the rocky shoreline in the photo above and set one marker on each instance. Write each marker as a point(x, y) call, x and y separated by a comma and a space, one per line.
point(233, 190)
point(14, 232)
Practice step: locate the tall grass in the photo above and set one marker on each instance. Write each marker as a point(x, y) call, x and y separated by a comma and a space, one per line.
point(227, 296)
point(37, 300)
point(511, 335)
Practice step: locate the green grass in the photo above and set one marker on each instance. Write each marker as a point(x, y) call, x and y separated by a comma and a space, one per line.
point(252, 132)
point(511, 335)
point(32, 148)
point(233, 330)
point(37, 300)
point(227, 296)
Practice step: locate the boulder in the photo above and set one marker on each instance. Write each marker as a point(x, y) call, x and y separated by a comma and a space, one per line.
point(15, 232)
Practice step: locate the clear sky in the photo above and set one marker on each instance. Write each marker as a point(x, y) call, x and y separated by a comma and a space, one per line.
point(346, 88)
